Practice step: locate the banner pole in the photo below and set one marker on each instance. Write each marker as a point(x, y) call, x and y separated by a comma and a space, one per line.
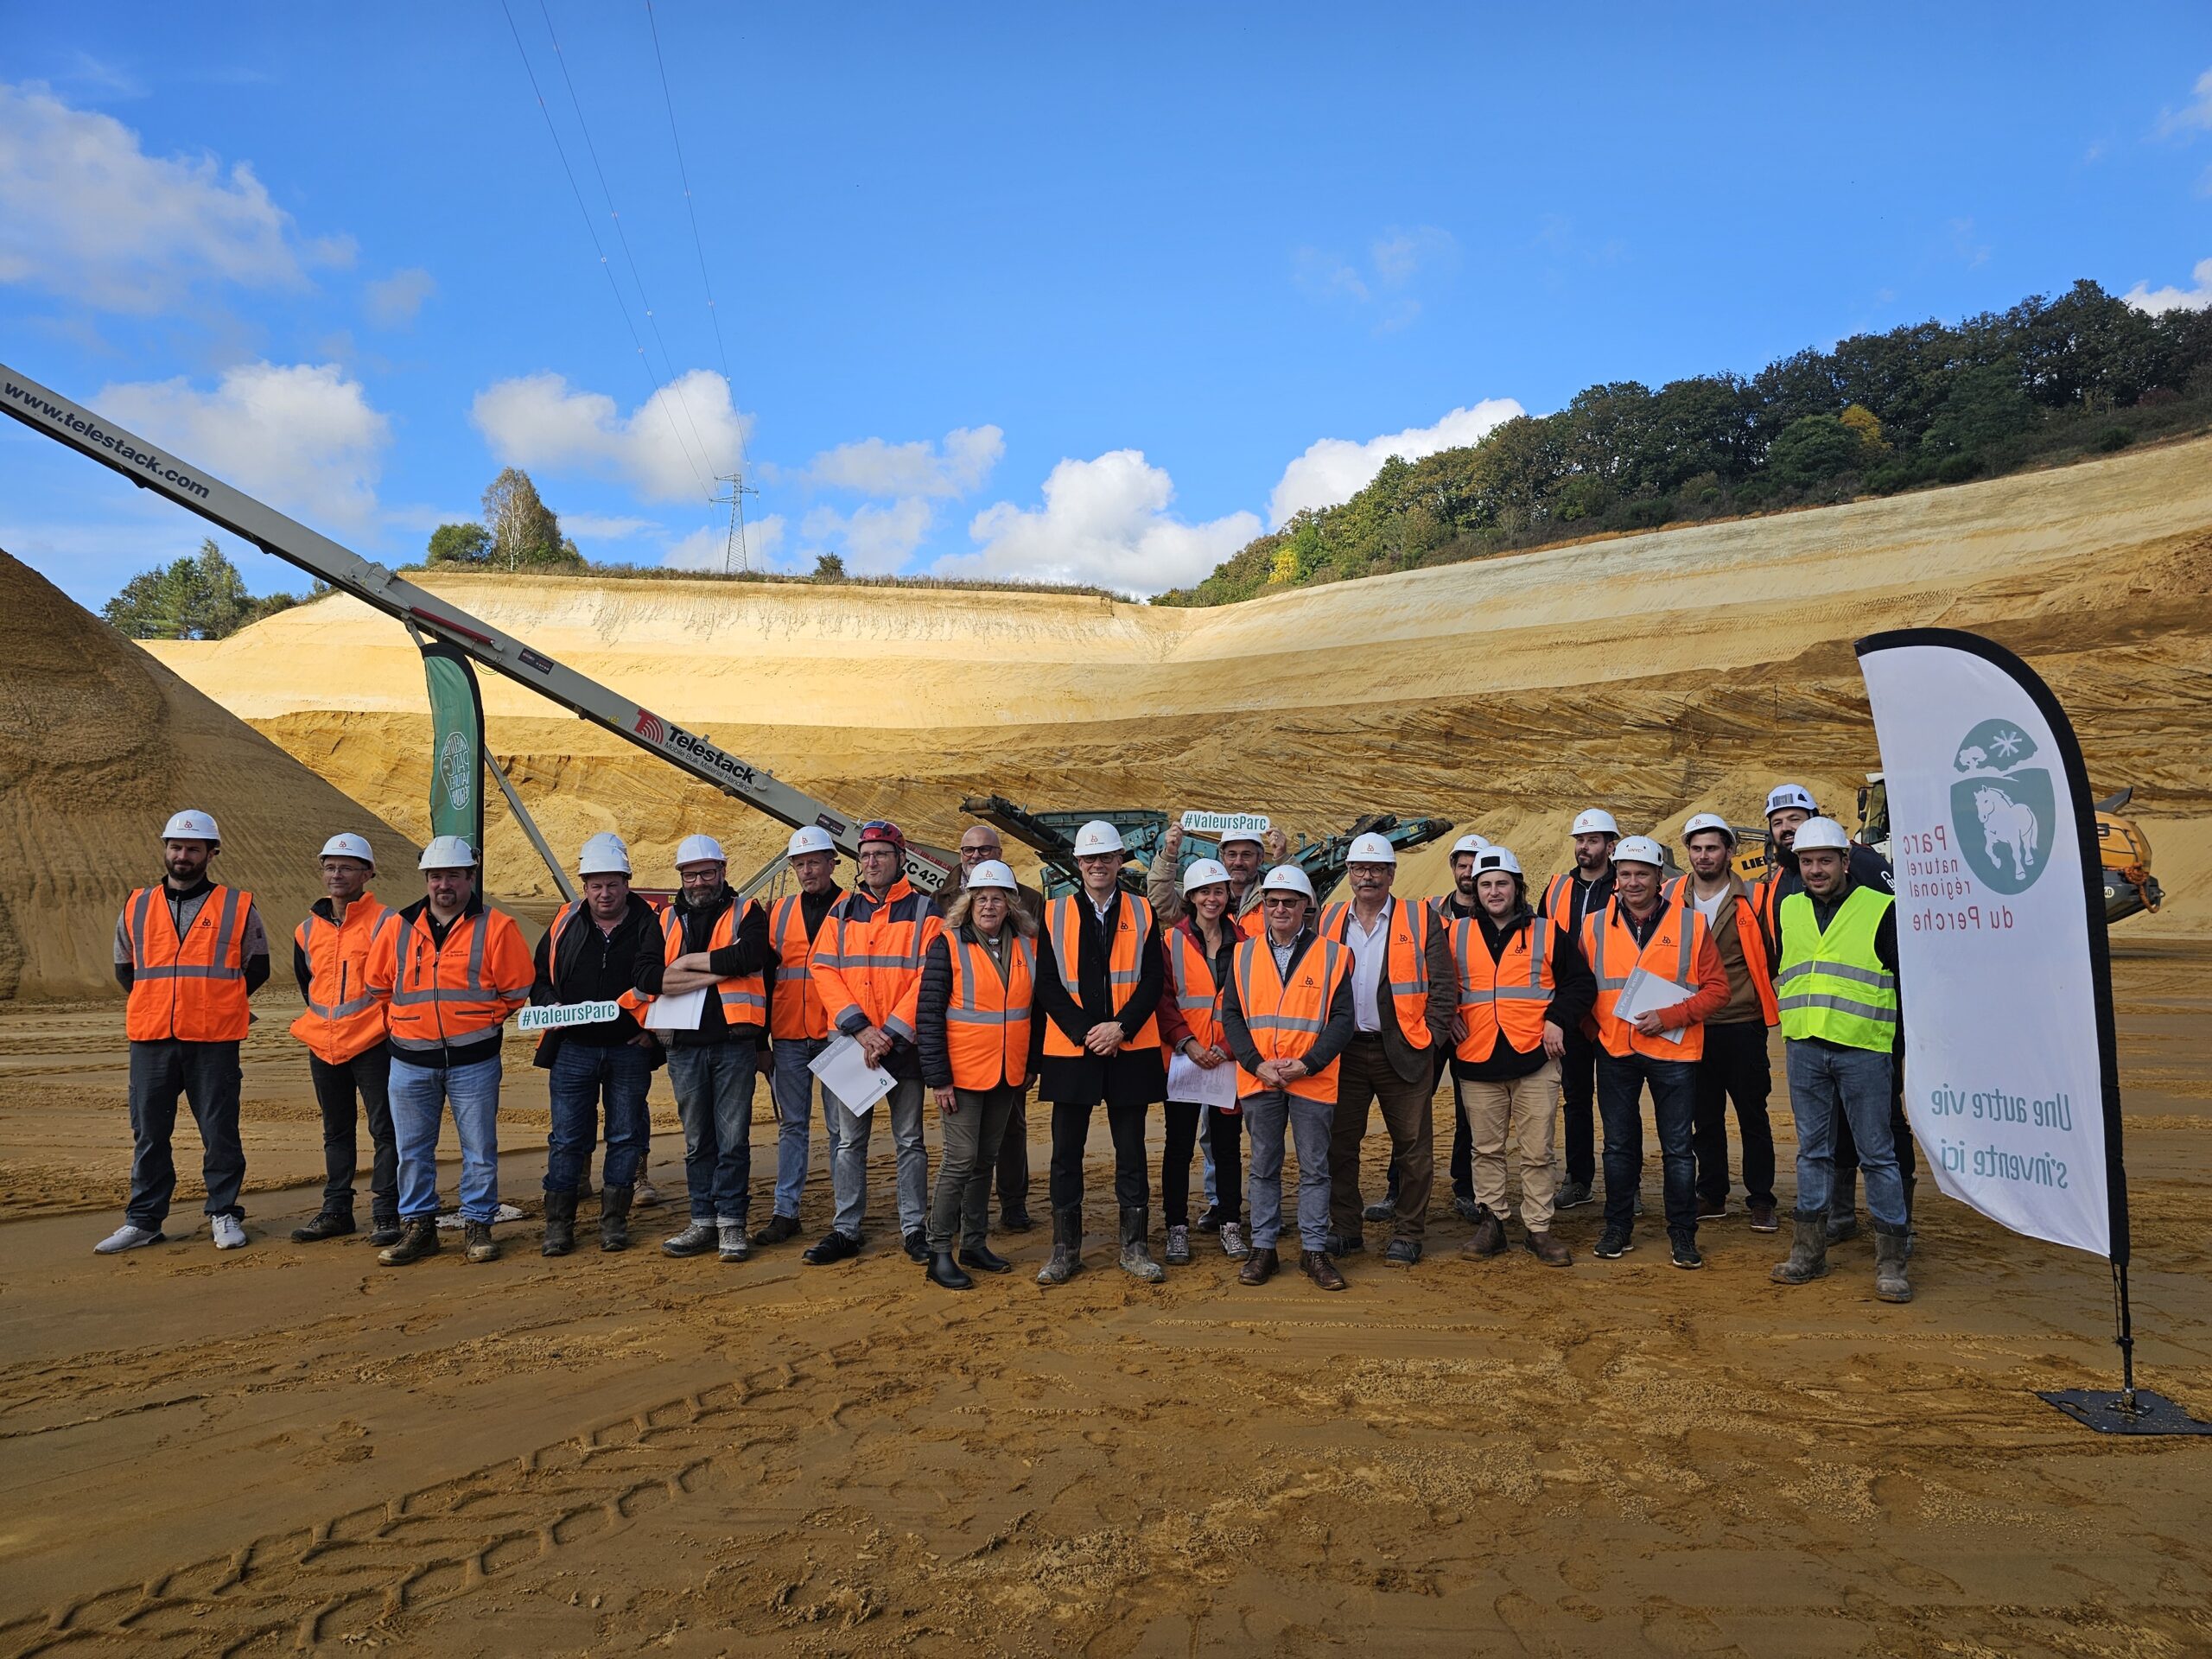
point(2125, 1338)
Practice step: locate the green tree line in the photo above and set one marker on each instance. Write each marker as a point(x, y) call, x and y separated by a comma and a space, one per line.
point(201, 596)
point(1930, 403)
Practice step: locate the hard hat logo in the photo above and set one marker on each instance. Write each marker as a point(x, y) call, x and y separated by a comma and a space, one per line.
point(2004, 814)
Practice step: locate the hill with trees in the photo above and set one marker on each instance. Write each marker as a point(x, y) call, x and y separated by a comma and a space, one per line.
point(1926, 405)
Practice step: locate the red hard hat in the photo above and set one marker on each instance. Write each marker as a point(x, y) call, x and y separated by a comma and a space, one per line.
point(883, 829)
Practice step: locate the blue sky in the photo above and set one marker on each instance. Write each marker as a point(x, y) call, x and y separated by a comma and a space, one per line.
point(1089, 293)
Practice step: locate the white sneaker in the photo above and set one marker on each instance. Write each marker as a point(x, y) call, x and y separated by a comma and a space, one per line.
point(128, 1237)
point(229, 1234)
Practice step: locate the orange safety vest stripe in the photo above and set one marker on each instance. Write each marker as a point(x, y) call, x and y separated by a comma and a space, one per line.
point(744, 997)
point(1197, 997)
point(986, 1018)
point(438, 994)
point(1406, 968)
point(1064, 931)
point(190, 989)
point(1613, 953)
point(343, 1018)
point(1511, 994)
point(795, 1010)
point(1285, 1022)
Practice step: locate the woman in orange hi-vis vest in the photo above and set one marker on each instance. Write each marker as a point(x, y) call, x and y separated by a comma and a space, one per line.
point(974, 1032)
point(1201, 1071)
point(1099, 978)
point(1287, 1013)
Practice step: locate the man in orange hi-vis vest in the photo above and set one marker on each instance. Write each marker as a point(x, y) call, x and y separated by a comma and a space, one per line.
point(799, 1024)
point(343, 1029)
point(189, 952)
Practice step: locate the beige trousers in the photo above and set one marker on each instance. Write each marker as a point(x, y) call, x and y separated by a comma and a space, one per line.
point(1520, 1114)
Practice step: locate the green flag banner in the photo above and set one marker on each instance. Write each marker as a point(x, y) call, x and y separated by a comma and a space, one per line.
point(457, 746)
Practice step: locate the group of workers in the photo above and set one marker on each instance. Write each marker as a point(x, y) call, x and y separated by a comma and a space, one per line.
point(1223, 993)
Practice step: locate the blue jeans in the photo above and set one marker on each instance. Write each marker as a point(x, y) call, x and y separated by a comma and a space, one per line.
point(1673, 1109)
point(581, 1076)
point(793, 1087)
point(714, 1097)
point(849, 1139)
point(1268, 1118)
point(1825, 1080)
point(419, 1095)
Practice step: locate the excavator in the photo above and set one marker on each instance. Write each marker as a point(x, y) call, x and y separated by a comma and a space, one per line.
point(2125, 850)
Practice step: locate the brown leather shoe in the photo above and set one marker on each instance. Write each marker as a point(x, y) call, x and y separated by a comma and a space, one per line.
point(1490, 1236)
point(1322, 1271)
point(1548, 1250)
point(1259, 1266)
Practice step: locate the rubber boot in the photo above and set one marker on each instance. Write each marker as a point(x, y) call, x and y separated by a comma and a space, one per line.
point(944, 1270)
point(560, 1224)
point(1843, 1209)
point(1809, 1250)
point(1890, 1281)
point(1066, 1260)
point(614, 1217)
point(1136, 1251)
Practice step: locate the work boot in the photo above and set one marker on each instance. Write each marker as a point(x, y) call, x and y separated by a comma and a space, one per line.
point(1232, 1241)
point(779, 1229)
point(1840, 1224)
point(1066, 1260)
point(614, 1217)
point(1178, 1247)
point(478, 1244)
point(330, 1224)
point(696, 1240)
point(1259, 1266)
point(1382, 1210)
point(1467, 1208)
point(1809, 1250)
point(1763, 1219)
point(1136, 1254)
point(1489, 1237)
point(560, 1224)
point(384, 1229)
point(1890, 1281)
point(1322, 1271)
point(418, 1238)
point(945, 1271)
point(917, 1248)
point(734, 1246)
point(1547, 1250)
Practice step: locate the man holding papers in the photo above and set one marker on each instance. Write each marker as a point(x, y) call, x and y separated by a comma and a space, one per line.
point(867, 966)
point(706, 944)
point(1658, 978)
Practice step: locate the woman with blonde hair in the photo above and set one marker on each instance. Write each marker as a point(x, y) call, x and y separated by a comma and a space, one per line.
point(973, 1032)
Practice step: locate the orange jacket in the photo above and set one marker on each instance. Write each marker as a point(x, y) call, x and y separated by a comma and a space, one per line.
point(867, 959)
point(1680, 950)
point(745, 998)
point(1511, 994)
point(795, 1011)
point(193, 989)
point(1285, 1020)
point(343, 1018)
point(1753, 929)
point(443, 996)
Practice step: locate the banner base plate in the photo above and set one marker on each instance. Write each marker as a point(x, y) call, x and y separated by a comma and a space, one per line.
point(2100, 1408)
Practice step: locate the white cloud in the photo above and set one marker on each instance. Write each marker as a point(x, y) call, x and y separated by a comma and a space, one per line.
point(2196, 114)
point(668, 448)
point(1394, 259)
point(2158, 300)
point(1334, 470)
point(705, 550)
point(303, 435)
point(1105, 522)
point(395, 301)
point(85, 213)
point(872, 467)
point(602, 527)
point(873, 541)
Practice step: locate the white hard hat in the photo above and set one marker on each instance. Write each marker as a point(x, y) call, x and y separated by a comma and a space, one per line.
point(1252, 836)
point(1372, 850)
point(1468, 844)
point(447, 853)
point(604, 854)
point(1784, 796)
point(1203, 872)
point(1821, 832)
point(1097, 836)
point(699, 849)
point(347, 846)
point(1595, 822)
point(1287, 878)
point(991, 874)
point(1497, 858)
point(1640, 850)
point(808, 838)
point(1705, 821)
point(190, 826)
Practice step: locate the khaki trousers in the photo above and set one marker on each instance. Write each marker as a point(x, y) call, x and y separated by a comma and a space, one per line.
point(1519, 1114)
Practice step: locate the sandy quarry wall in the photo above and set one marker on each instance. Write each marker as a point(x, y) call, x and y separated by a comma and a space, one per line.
point(99, 744)
point(1658, 674)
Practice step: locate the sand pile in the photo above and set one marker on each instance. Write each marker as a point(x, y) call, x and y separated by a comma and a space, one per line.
point(99, 744)
point(1658, 674)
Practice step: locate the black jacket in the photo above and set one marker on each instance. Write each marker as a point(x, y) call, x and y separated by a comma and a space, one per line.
point(594, 967)
point(749, 952)
point(1336, 1030)
point(1574, 993)
point(1133, 1078)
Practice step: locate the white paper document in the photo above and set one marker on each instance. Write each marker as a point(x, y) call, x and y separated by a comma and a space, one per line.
point(1187, 1080)
point(677, 1013)
point(845, 1073)
point(1646, 993)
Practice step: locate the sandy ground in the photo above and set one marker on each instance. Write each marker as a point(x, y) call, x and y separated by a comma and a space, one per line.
point(293, 1450)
